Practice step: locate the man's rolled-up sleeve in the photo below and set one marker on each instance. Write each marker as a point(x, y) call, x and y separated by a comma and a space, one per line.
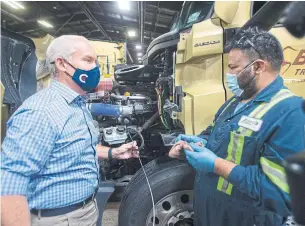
point(29, 141)
point(266, 183)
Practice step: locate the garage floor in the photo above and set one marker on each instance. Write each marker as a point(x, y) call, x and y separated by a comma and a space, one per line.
point(110, 215)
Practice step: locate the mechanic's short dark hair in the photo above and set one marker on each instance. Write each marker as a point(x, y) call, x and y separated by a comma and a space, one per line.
point(258, 43)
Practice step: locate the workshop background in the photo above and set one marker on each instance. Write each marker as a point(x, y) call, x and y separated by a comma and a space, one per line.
point(131, 22)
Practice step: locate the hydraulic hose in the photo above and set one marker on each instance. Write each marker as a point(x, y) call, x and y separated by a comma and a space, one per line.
point(97, 109)
point(149, 122)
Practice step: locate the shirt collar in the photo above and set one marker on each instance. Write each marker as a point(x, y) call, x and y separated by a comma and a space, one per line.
point(67, 93)
point(266, 94)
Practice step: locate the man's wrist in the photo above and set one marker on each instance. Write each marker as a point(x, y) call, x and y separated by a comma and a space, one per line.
point(223, 167)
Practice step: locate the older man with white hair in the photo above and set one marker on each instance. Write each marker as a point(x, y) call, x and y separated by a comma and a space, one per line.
point(49, 165)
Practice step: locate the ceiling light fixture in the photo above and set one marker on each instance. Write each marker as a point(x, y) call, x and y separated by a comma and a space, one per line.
point(124, 5)
point(131, 33)
point(15, 5)
point(45, 23)
point(139, 54)
point(18, 4)
point(138, 47)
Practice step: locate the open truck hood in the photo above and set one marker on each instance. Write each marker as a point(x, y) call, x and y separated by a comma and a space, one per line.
point(18, 68)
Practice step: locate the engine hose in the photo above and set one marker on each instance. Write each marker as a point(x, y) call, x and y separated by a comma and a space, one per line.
point(140, 135)
point(111, 110)
point(149, 122)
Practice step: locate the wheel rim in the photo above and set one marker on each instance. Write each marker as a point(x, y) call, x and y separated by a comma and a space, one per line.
point(173, 210)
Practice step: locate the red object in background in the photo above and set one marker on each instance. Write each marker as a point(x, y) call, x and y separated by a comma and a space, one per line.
point(104, 85)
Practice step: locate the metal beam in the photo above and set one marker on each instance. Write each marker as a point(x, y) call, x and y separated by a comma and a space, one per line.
point(171, 11)
point(23, 21)
point(51, 13)
point(116, 24)
point(93, 19)
point(142, 22)
point(128, 53)
point(65, 23)
point(160, 15)
point(157, 16)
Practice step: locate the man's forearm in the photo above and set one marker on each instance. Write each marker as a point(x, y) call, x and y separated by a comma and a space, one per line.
point(15, 211)
point(223, 167)
point(102, 151)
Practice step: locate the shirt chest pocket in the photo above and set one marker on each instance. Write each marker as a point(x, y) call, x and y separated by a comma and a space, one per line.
point(242, 149)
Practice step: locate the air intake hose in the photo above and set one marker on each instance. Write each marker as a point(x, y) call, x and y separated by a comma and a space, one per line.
point(111, 110)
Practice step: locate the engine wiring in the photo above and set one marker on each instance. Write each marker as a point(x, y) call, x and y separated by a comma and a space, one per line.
point(160, 109)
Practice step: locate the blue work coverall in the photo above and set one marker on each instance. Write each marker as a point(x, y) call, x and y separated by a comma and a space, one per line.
point(255, 191)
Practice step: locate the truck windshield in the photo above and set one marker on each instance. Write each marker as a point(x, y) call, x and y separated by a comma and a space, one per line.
point(191, 13)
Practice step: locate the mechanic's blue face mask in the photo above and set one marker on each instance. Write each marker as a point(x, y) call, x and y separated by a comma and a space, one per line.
point(86, 80)
point(233, 82)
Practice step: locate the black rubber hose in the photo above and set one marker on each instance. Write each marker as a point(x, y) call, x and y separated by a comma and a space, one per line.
point(149, 122)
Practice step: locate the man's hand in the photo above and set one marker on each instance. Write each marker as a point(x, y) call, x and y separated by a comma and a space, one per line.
point(191, 139)
point(202, 159)
point(126, 151)
point(177, 150)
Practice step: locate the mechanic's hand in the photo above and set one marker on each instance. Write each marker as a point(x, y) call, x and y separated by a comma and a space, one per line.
point(126, 151)
point(191, 139)
point(177, 150)
point(202, 159)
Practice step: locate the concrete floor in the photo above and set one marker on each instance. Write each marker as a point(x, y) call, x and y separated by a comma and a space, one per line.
point(110, 215)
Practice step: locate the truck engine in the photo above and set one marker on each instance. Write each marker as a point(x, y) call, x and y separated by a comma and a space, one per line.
point(139, 106)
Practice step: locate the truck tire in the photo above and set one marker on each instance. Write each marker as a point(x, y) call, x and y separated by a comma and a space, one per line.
point(168, 179)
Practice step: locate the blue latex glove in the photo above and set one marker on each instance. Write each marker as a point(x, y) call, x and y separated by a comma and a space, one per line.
point(202, 159)
point(191, 139)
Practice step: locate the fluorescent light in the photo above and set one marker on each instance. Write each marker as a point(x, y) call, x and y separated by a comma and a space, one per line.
point(139, 58)
point(124, 5)
point(139, 54)
point(15, 5)
point(18, 5)
point(131, 33)
point(45, 23)
point(11, 4)
point(138, 47)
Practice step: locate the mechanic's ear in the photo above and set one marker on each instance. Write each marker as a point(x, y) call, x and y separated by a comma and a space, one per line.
point(259, 66)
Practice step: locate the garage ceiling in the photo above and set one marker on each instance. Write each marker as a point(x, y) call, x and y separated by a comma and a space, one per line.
point(96, 20)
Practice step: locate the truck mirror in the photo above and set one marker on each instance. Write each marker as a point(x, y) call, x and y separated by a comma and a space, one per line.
point(226, 10)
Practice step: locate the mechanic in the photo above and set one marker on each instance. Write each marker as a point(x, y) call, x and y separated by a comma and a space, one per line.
point(49, 164)
point(240, 180)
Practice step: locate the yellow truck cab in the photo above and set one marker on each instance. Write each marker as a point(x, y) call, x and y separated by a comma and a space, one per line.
point(202, 62)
